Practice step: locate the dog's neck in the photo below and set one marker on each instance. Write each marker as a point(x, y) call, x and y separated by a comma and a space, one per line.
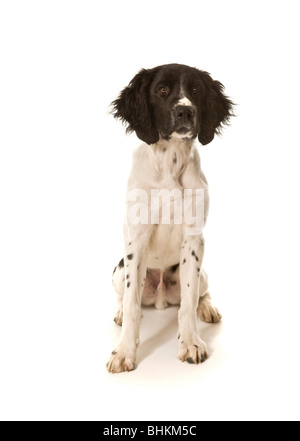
point(172, 156)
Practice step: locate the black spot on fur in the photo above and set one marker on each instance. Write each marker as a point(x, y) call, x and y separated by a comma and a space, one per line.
point(196, 257)
point(174, 268)
point(175, 159)
point(114, 352)
point(164, 149)
point(188, 285)
point(121, 263)
point(178, 336)
point(130, 256)
point(183, 261)
point(128, 284)
point(127, 277)
point(196, 346)
point(198, 269)
point(173, 283)
point(114, 270)
point(129, 244)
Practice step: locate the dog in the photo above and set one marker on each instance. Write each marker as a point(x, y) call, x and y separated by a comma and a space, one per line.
point(168, 107)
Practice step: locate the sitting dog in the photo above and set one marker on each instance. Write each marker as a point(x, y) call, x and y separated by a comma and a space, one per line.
point(167, 107)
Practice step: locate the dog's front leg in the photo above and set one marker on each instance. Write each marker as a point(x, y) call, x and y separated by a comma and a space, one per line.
point(123, 357)
point(190, 346)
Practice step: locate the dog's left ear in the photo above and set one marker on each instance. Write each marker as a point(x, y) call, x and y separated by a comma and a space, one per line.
point(133, 107)
point(217, 111)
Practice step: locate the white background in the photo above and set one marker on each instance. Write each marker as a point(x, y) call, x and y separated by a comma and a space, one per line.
point(63, 167)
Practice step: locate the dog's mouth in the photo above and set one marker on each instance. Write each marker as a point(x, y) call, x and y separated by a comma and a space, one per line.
point(183, 133)
point(182, 130)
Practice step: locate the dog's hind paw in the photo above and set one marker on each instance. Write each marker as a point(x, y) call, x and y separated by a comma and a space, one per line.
point(118, 319)
point(207, 312)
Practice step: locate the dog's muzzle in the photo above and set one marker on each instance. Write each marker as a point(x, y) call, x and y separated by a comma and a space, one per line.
point(184, 117)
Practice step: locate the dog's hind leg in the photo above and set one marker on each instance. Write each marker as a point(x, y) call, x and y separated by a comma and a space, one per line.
point(206, 310)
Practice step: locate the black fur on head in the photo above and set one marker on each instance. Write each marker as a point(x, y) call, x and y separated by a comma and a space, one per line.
point(150, 104)
point(134, 109)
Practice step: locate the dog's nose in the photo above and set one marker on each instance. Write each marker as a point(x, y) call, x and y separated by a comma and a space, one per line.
point(184, 114)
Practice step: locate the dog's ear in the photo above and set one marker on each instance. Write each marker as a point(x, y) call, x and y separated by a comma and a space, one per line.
point(134, 109)
point(217, 111)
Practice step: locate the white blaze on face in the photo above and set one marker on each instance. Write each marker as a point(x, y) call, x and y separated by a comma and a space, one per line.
point(184, 102)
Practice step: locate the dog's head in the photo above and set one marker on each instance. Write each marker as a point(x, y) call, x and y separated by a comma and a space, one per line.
point(173, 101)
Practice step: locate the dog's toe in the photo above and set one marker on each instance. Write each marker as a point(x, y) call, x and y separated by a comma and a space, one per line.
point(119, 362)
point(194, 352)
point(118, 319)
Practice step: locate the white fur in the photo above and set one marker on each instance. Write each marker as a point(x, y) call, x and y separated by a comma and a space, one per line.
point(184, 102)
point(182, 135)
point(160, 247)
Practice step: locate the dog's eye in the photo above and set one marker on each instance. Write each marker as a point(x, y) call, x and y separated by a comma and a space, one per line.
point(195, 90)
point(164, 91)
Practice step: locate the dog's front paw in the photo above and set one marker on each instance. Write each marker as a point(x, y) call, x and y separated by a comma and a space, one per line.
point(121, 362)
point(192, 350)
point(207, 312)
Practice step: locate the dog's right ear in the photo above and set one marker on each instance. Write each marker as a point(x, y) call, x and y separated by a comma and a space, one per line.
point(133, 107)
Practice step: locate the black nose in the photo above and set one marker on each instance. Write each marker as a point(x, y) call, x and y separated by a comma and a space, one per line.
point(184, 114)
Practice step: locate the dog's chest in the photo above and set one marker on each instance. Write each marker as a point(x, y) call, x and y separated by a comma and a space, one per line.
point(167, 235)
point(165, 245)
point(170, 161)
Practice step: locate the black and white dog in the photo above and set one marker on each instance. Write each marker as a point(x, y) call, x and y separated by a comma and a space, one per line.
point(167, 107)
